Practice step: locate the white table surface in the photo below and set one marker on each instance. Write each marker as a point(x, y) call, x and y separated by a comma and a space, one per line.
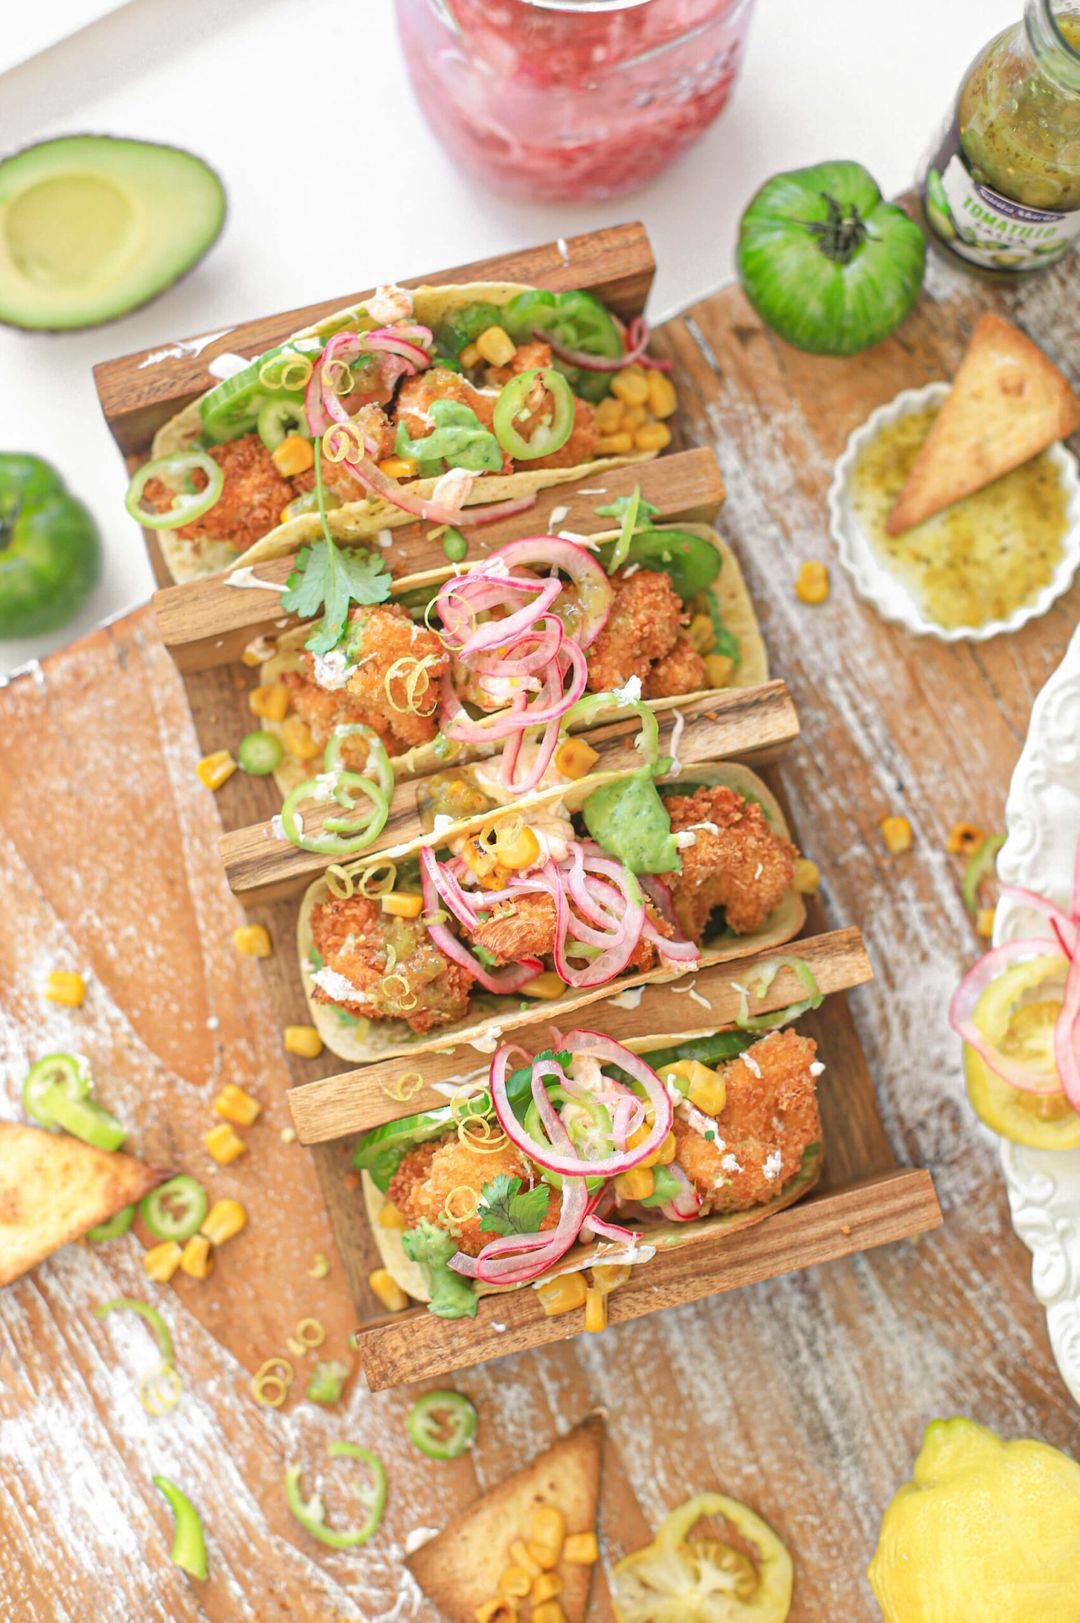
point(301, 103)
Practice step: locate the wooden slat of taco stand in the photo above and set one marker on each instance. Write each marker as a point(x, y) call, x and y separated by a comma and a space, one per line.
point(208, 622)
point(354, 1101)
point(749, 724)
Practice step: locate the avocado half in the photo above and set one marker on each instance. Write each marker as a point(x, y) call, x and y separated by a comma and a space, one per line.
point(93, 226)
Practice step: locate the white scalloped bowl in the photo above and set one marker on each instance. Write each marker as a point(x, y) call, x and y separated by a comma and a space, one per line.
point(875, 581)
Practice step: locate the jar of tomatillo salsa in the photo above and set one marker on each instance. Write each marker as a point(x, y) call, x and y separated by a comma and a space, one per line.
point(1001, 189)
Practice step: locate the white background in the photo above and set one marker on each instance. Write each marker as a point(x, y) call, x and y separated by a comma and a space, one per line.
point(334, 182)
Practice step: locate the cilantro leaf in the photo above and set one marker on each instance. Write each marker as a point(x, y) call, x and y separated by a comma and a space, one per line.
point(508, 1209)
point(331, 577)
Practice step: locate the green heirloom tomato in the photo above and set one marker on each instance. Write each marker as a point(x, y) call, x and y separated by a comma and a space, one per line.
point(50, 555)
point(825, 262)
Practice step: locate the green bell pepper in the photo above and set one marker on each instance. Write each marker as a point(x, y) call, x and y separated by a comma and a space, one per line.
point(50, 552)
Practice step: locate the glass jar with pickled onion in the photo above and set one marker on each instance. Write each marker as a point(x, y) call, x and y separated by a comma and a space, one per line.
point(563, 100)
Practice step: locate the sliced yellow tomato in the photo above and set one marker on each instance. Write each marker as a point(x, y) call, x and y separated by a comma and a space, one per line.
point(677, 1579)
point(1039, 1120)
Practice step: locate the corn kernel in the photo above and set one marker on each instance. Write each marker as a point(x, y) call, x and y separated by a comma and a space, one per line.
point(257, 650)
point(514, 1583)
point(609, 415)
point(581, 1550)
point(653, 437)
point(294, 455)
point(237, 1106)
point(812, 582)
point(806, 877)
point(548, 1528)
point(634, 417)
point(520, 852)
point(519, 1555)
point(224, 1221)
point(718, 670)
point(65, 986)
point(662, 396)
point(391, 1218)
point(896, 832)
point(481, 861)
point(546, 985)
point(271, 701)
point(631, 386)
point(964, 839)
point(574, 758)
point(470, 355)
point(162, 1261)
point(297, 739)
point(548, 1611)
point(595, 1311)
point(708, 1092)
point(609, 1276)
point(302, 1040)
point(662, 1155)
point(398, 467)
point(701, 632)
point(197, 1258)
point(253, 941)
point(984, 922)
point(543, 1557)
point(223, 1144)
point(388, 1290)
point(400, 904)
point(637, 1184)
point(496, 347)
point(562, 1295)
point(215, 769)
point(498, 1610)
point(614, 444)
point(547, 1586)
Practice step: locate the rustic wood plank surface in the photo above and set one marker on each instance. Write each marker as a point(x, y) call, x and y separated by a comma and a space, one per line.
point(774, 1393)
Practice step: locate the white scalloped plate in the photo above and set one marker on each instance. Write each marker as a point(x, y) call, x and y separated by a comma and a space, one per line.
point(1042, 816)
point(876, 582)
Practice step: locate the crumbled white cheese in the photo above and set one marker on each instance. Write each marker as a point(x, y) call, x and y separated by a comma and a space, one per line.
point(325, 785)
point(705, 1125)
point(558, 514)
point(772, 1164)
point(385, 538)
point(751, 1064)
point(816, 1068)
point(498, 1327)
point(337, 986)
point(452, 490)
point(331, 671)
point(390, 303)
point(629, 693)
point(213, 1022)
point(246, 577)
point(277, 828)
point(627, 1000)
point(729, 1163)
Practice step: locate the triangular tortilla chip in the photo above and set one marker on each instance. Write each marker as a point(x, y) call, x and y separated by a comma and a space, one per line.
point(53, 1188)
point(460, 1568)
point(1008, 402)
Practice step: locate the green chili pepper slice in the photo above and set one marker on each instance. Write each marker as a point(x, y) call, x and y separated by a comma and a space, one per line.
point(189, 1541)
point(765, 974)
point(114, 1227)
point(175, 471)
point(83, 1119)
point(69, 1072)
point(546, 396)
point(259, 753)
point(980, 867)
point(327, 1382)
point(132, 1304)
point(442, 1424)
point(310, 1513)
point(377, 764)
point(339, 836)
point(174, 1210)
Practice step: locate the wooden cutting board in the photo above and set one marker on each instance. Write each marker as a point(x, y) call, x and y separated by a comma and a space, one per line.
point(805, 1395)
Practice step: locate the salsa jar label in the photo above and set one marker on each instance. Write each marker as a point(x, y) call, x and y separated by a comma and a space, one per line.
point(986, 228)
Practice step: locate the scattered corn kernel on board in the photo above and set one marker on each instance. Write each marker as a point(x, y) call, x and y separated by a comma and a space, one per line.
point(771, 1392)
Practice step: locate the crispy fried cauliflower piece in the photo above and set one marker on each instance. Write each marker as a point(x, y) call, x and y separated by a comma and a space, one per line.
point(737, 861)
point(418, 984)
point(430, 1172)
point(644, 637)
point(769, 1119)
point(250, 502)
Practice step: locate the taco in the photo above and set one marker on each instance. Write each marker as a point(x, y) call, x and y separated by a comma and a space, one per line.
point(551, 905)
point(473, 395)
point(592, 1155)
point(664, 615)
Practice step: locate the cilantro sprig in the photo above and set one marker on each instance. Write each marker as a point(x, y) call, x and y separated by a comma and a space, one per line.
point(330, 577)
point(509, 1209)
